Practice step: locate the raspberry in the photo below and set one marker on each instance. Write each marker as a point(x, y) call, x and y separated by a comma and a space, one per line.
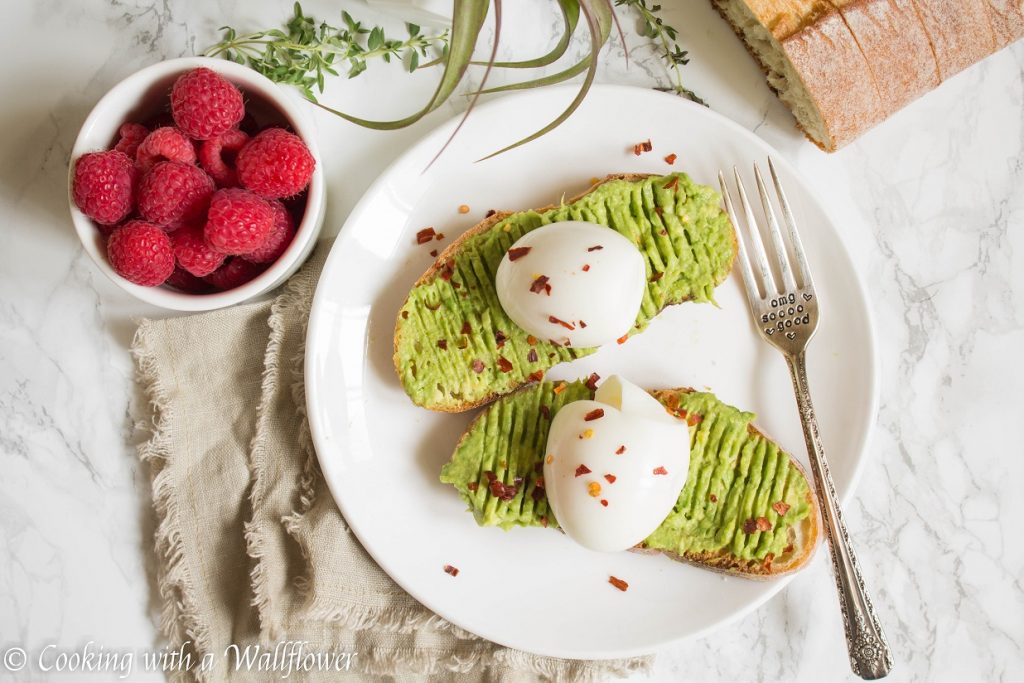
point(103, 186)
point(275, 164)
point(185, 281)
point(233, 273)
point(166, 143)
point(211, 156)
point(172, 191)
point(205, 104)
point(140, 252)
point(131, 135)
point(279, 238)
point(238, 221)
point(192, 252)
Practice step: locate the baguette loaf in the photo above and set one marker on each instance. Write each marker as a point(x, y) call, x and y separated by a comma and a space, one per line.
point(843, 66)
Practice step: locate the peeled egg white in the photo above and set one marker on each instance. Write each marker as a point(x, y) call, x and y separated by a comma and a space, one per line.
point(638, 500)
point(595, 291)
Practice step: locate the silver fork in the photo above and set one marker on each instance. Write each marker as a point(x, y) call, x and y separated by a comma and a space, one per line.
point(787, 317)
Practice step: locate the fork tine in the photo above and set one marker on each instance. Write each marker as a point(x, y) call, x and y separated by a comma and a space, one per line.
point(767, 279)
point(778, 245)
point(794, 236)
point(749, 282)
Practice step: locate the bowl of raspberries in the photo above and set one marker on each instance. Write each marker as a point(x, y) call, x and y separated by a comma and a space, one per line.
point(196, 184)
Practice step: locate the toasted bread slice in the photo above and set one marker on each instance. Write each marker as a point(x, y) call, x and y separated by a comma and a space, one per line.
point(747, 507)
point(456, 349)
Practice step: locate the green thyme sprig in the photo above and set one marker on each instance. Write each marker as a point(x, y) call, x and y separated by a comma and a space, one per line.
point(665, 38)
point(302, 54)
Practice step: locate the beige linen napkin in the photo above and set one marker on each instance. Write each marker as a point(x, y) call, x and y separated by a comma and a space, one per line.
point(251, 549)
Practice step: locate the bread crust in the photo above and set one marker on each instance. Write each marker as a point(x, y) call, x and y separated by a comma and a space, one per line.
point(895, 46)
point(452, 249)
point(906, 47)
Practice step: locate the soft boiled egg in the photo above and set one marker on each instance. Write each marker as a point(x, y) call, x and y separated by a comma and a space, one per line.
point(614, 466)
point(574, 283)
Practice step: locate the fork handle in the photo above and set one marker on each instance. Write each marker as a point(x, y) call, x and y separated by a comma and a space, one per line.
point(870, 657)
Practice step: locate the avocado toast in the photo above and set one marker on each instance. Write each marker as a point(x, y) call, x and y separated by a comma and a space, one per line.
point(455, 347)
point(746, 508)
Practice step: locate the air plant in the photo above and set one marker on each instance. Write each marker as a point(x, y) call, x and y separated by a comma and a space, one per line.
point(302, 55)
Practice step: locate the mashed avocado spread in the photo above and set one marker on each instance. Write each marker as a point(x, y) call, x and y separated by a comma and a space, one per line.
point(742, 493)
point(455, 346)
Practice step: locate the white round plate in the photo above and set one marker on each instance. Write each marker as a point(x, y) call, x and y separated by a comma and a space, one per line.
point(534, 589)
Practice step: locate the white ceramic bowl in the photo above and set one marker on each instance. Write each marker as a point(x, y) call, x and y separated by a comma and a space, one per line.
point(145, 94)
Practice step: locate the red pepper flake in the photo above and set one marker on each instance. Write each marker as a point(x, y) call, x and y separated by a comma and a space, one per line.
point(610, 477)
point(531, 340)
point(604, 502)
point(532, 356)
point(583, 325)
point(749, 526)
point(658, 210)
point(780, 507)
point(693, 419)
point(671, 159)
point(581, 470)
point(540, 284)
point(538, 468)
point(442, 344)
point(618, 583)
point(560, 387)
point(405, 315)
point(536, 376)
point(433, 252)
point(596, 247)
point(477, 365)
point(591, 382)
point(472, 486)
point(657, 276)
point(788, 548)
point(463, 208)
point(595, 414)
point(466, 329)
point(672, 184)
point(490, 212)
point(557, 321)
point(622, 339)
point(447, 270)
point(499, 338)
point(490, 476)
point(425, 235)
point(505, 492)
point(586, 267)
point(713, 498)
point(546, 412)
point(641, 147)
point(451, 571)
point(620, 450)
point(518, 253)
point(439, 236)
point(660, 469)
point(763, 524)
point(544, 521)
point(504, 364)
point(537, 494)
point(457, 285)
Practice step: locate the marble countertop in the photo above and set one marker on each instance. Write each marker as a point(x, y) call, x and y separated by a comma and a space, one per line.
point(929, 199)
